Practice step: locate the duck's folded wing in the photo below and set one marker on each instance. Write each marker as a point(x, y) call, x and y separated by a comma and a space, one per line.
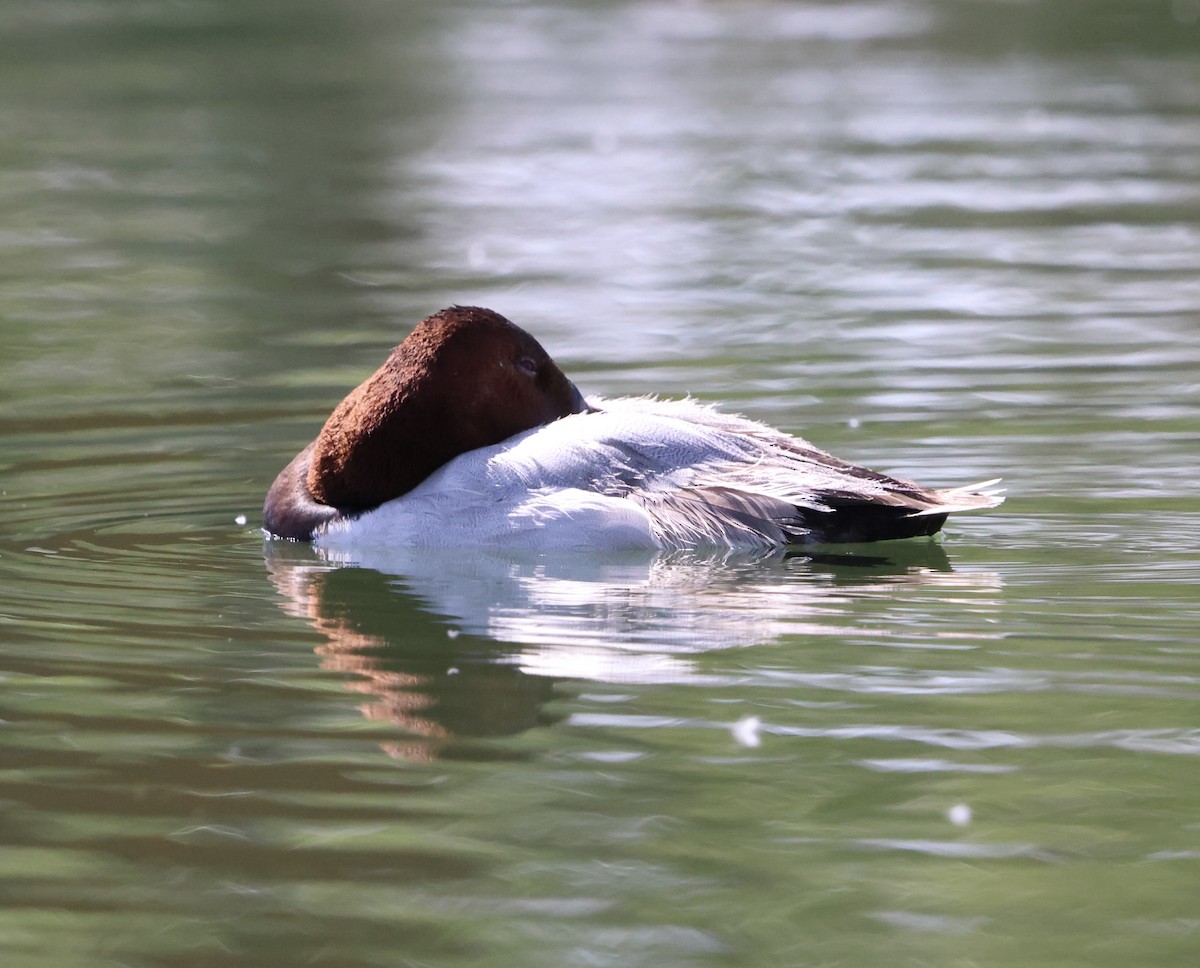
point(719, 515)
point(703, 477)
point(750, 505)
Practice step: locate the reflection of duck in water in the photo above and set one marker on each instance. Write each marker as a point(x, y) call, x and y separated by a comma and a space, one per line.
point(436, 686)
point(454, 647)
point(470, 435)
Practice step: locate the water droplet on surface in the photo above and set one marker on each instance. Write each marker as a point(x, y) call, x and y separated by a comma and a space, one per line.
point(746, 731)
point(959, 815)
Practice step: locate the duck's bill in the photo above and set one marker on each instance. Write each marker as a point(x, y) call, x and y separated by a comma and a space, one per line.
point(578, 404)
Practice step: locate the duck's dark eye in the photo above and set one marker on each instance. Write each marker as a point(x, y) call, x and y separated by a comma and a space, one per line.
point(527, 366)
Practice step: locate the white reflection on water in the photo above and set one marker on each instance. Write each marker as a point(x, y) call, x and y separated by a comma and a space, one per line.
point(446, 644)
point(617, 618)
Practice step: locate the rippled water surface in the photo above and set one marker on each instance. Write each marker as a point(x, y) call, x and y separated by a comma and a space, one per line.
point(952, 239)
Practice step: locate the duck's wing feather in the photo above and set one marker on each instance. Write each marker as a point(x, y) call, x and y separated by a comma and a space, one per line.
point(785, 490)
point(704, 477)
point(720, 516)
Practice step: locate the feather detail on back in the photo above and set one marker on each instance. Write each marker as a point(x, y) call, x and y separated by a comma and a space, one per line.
point(714, 515)
point(784, 490)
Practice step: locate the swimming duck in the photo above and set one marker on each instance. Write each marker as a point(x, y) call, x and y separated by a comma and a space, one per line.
point(471, 435)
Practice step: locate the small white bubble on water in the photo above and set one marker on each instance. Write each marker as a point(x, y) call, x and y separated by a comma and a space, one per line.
point(959, 815)
point(452, 633)
point(240, 519)
point(745, 731)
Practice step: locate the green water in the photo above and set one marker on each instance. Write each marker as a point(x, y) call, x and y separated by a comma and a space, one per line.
point(952, 240)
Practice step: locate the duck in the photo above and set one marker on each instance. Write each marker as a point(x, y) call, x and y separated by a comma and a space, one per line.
point(470, 435)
